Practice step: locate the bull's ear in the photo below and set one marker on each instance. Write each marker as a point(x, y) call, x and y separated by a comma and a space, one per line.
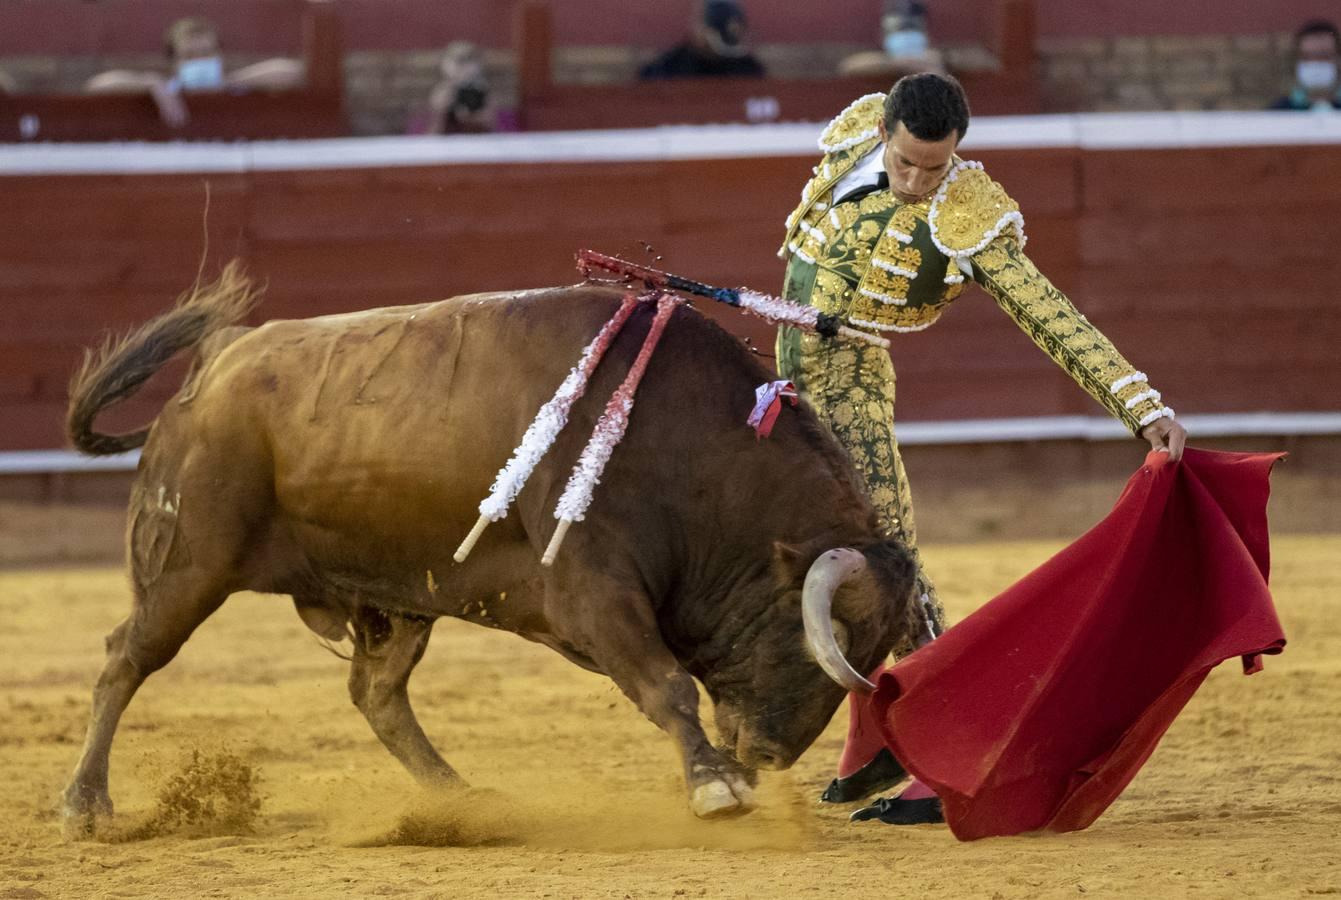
point(789, 562)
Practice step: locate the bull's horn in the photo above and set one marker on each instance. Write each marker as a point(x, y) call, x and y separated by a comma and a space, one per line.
point(827, 574)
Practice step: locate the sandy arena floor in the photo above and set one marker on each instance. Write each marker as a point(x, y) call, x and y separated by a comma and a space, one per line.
point(1243, 798)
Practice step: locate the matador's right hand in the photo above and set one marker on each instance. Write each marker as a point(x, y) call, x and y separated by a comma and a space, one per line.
point(1167, 435)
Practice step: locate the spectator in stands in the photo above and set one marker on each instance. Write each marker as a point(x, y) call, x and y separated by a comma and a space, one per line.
point(7, 84)
point(459, 101)
point(1317, 51)
point(907, 49)
point(195, 58)
point(718, 45)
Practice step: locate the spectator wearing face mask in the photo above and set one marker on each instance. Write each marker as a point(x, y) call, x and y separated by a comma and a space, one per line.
point(718, 45)
point(195, 60)
point(459, 101)
point(1317, 50)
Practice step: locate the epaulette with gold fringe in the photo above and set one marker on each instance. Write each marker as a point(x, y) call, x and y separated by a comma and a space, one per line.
point(859, 122)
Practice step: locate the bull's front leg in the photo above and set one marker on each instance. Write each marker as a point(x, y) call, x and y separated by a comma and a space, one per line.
point(619, 632)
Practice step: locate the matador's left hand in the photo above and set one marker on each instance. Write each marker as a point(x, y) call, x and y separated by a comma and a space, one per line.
point(1167, 435)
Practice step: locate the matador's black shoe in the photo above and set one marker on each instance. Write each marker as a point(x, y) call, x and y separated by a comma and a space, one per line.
point(894, 811)
point(880, 774)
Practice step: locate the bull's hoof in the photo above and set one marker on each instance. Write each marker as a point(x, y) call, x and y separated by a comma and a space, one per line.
point(722, 799)
point(82, 817)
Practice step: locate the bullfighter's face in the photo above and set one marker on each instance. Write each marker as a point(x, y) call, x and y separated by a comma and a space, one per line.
point(916, 167)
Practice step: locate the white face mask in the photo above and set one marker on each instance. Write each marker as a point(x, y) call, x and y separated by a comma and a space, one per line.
point(201, 74)
point(1316, 75)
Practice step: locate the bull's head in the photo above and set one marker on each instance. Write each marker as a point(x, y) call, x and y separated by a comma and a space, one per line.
point(835, 615)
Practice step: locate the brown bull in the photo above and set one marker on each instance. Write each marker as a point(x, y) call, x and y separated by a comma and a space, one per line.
point(341, 459)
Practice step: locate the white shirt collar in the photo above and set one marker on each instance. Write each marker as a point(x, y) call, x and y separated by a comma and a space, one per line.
point(864, 173)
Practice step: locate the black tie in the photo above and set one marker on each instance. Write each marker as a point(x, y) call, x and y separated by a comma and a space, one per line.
point(881, 184)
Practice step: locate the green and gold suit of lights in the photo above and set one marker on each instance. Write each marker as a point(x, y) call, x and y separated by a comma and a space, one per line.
point(892, 267)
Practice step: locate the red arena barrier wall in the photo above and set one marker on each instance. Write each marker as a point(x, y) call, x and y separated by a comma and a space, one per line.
point(1212, 268)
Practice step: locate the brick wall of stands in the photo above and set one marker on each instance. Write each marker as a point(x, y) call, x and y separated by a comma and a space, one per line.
point(383, 88)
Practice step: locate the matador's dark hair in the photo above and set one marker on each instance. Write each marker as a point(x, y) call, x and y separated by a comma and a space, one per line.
point(1318, 26)
point(929, 106)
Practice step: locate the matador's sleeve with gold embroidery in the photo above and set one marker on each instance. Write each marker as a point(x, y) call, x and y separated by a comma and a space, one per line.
point(980, 228)
point(1058, 328)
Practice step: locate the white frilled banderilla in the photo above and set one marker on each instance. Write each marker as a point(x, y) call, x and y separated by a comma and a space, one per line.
point(552, 418)
point(610, 428)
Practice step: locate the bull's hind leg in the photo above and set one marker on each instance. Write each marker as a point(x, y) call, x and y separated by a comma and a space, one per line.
point(387, 647)
point(164, 615)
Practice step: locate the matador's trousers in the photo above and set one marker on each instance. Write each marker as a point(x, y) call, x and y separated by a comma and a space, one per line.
point(851, 387)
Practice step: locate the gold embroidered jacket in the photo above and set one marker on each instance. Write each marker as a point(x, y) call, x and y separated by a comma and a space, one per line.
point(886, 265)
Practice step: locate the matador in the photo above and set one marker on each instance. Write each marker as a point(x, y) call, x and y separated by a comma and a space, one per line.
point(890, 228)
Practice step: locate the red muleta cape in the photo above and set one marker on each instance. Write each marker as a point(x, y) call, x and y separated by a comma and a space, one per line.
point(1038, 709)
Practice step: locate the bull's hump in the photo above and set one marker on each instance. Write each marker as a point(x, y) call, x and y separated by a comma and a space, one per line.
point(526, 297)
point(361, 316)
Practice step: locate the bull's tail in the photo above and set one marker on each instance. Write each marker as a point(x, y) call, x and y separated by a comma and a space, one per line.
point(118, 368)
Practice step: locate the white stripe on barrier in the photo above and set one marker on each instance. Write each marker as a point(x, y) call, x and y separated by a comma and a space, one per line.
point(1093, 428)
point(963, 431)
point(50, 462)
point(1095, 131)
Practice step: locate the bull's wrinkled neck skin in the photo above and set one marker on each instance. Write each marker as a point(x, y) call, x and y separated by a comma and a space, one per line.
point(718, 591)
point(755, 661)
point(715, 629)
point(705, 555)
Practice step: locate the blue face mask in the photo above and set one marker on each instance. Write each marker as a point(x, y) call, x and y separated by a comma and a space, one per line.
point(906, 43)
point(202, 74)
point(1316, 75)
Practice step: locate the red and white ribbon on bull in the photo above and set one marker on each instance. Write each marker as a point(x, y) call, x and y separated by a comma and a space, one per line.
point(768, 399)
